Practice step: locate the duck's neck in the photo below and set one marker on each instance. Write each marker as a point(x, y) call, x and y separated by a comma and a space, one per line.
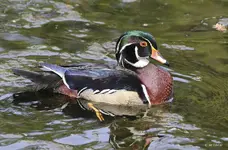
point(158, 82)
point(129, 67)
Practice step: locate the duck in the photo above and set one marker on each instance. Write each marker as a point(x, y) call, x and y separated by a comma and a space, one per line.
point(135, 81)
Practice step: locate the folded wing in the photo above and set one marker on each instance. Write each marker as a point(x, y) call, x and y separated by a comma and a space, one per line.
point(101, 84)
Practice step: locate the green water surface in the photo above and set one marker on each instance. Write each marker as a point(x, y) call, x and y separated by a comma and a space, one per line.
point(73, 31)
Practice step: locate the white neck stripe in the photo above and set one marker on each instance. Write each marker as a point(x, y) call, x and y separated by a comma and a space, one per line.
point(146, 93)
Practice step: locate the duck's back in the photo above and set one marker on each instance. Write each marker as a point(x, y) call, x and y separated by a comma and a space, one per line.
point(113, 86)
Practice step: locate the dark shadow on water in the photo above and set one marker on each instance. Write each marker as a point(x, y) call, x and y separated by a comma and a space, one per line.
point(45, 100)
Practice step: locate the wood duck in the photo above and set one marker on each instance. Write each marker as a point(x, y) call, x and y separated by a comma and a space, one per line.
point(135, 81)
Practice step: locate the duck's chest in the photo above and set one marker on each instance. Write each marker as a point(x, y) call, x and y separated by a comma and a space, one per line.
point(158, 83)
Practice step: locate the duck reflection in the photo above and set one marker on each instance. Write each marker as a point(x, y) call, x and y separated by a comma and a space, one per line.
point(126, 129)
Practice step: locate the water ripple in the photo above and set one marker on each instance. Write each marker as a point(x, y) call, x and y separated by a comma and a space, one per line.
point(89, 136)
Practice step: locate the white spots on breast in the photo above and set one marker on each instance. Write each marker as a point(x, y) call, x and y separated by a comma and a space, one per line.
point(146, 93)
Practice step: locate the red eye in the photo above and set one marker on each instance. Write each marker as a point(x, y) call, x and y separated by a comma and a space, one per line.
point(143, 44)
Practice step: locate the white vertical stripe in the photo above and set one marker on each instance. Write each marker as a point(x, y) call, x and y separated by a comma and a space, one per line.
point(146, 93)
point(136, 52)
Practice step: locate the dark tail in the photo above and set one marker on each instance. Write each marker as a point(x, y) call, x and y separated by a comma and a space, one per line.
point(44, 80)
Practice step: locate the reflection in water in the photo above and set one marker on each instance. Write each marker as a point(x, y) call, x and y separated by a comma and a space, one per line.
point(89, 136)
point(28, 144)
point(76, 108)
point(138, 132)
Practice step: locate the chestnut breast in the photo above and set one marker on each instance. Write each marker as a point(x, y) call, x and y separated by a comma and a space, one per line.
point(158, 82)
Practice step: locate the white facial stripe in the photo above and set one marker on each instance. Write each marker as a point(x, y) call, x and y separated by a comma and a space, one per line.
point(118, 45)
point(129, 44)
point(125, 47)
point(146, 93)
point(136, 52)
point(142, 61)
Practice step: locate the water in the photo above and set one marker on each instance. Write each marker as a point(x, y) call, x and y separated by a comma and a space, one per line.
point(66, 32)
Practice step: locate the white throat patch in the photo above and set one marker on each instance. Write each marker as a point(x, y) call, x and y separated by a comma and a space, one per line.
point(139, 64)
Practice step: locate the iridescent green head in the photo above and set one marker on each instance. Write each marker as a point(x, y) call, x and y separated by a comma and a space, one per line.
point(134, 48)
